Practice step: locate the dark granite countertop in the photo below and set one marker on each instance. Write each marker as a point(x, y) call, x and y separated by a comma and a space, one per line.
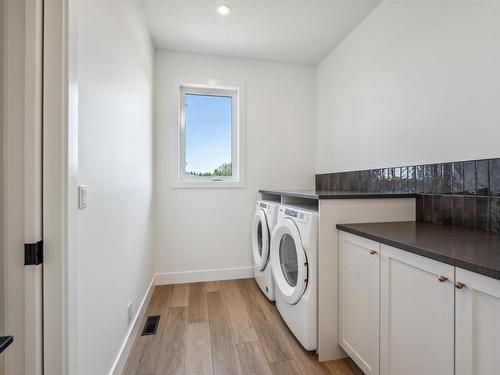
point(336, 194)
point(464, 248)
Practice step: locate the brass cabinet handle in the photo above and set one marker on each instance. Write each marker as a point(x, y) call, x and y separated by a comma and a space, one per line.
point(442, 279)
point(459, 285)
point(373, 252)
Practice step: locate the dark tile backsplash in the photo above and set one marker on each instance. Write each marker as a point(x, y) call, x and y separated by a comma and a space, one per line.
point(457, 178)
point(469, 178)
point(482, 213)
point(469, 212)
point(495, 215)
point(420, 179)
point(428, 184)
point(482, 177)
point(464, 194)
point(437, 179)
point(457, 211)
point(495, 177)
point(447, 179)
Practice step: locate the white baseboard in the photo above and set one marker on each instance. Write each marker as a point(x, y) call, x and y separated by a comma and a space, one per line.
point(121, 359)
point(203, 275)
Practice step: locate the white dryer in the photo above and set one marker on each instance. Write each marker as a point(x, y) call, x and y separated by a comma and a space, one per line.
point(294, 257)
point(266, 214)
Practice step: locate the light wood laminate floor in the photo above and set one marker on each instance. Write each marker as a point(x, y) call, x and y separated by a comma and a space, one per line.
point(222, 327)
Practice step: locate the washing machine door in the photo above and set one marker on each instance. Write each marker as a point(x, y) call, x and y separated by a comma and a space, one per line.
point(260, 240)
point(289, 261)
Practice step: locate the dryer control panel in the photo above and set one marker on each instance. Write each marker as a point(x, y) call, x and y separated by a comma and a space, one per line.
point(300, 215)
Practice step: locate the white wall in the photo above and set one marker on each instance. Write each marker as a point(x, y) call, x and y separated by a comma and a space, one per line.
point(415, 82)
point(203, 229)
point(114, 62)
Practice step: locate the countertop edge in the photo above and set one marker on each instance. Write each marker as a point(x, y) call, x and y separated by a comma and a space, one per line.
point(314, 196)
point(290, 194)
point(424, 252)
point(369, 196)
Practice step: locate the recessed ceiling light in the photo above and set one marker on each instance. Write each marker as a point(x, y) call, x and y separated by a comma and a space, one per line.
point(224, 10)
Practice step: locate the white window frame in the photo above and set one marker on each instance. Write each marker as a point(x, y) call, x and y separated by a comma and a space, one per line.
point(216, 88)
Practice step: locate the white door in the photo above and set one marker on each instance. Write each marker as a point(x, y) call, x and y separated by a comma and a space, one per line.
point(359, 261)
point(22, 185)
point(288, 261)
point(417, 315)
point(477, 324)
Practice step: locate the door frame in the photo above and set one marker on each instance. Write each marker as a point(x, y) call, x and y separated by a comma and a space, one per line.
point(33, 224)
point(58, 302)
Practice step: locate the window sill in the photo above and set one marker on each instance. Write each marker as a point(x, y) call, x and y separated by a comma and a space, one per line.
point(209, 185)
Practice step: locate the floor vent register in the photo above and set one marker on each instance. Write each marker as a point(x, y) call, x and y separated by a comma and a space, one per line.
point(151, 325)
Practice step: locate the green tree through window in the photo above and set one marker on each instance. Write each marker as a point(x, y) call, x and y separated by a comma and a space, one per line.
point(225, 169)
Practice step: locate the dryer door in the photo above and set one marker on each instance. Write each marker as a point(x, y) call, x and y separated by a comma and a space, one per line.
point(289, 261)
point(260, 240)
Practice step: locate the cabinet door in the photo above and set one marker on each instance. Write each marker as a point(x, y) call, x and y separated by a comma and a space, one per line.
point(417, 315)
point(477, 324)
point(359, 301)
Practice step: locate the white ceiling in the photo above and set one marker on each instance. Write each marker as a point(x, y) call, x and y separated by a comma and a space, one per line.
point(299, 31)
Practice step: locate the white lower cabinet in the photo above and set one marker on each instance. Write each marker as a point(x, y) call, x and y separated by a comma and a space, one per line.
point(359, 301)
point(477, 324)
point(417, 315)
point(404, 314)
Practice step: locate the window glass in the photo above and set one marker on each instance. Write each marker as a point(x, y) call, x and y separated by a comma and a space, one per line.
point(208, 135)
point(288, 259)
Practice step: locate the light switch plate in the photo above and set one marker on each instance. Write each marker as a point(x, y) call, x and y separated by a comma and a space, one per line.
point(82, 196)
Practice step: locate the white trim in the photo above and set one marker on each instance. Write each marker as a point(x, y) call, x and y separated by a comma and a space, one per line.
point(72, 202)
point(3, 100)
point(208, 185)
point(33, 294)
point(214, 87)
point(226, 92)
point(55, 190)
point(124, 352)
point(204, 275)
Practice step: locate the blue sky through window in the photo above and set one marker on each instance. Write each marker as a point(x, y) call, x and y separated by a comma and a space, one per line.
point(207, 132)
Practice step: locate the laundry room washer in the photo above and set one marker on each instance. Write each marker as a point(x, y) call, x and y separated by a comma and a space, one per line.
point(294, 257)
point(266, 214)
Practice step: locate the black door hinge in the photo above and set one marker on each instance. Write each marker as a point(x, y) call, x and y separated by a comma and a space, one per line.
point(33, 253)
point(5, 341)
